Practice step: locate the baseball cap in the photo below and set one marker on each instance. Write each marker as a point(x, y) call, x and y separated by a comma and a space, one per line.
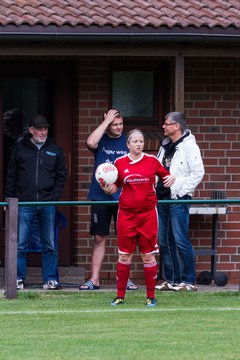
point(39, 121)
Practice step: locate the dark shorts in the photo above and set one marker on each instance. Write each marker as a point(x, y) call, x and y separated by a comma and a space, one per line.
point(101, 217)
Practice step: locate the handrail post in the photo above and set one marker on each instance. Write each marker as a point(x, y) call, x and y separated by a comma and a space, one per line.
point(11, 248)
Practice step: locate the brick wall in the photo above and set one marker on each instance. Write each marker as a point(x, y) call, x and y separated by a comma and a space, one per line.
point(212, 105)
point(93, 102)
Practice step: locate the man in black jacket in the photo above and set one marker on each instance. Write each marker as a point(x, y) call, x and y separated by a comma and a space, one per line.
point(36, 172)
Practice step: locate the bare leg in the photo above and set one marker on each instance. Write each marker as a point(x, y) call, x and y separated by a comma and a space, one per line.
point(97, 258)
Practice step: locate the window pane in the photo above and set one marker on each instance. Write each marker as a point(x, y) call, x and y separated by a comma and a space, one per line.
point(23, 98)
point(133, 93)
point(30, 95)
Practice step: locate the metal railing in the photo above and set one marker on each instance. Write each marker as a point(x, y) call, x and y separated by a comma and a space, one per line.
point(11, 229)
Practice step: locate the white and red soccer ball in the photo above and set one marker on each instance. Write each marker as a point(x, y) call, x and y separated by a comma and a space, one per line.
point(106, 173)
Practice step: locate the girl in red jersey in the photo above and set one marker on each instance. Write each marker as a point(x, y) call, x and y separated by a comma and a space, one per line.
point(137, 222)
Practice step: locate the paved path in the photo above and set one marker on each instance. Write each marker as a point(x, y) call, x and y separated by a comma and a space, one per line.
point(201, 288)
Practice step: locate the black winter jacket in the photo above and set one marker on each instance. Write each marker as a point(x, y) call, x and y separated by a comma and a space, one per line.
point(33, 174)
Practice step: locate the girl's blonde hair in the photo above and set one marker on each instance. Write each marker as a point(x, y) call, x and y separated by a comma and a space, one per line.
point(132, 132)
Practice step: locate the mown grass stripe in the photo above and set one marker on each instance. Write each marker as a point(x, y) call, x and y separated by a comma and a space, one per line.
point(111, 310)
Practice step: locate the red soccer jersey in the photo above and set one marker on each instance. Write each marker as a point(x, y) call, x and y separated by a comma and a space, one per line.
point(137, 179)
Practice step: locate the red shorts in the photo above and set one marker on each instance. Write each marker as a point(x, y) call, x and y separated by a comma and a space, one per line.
point(137, 229)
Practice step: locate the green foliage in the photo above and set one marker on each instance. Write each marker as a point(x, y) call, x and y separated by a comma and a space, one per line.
point(82, 325)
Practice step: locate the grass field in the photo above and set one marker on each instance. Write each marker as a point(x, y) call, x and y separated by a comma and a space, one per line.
point(83, 325)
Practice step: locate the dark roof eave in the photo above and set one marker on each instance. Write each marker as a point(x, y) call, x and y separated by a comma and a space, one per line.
point(120, 33)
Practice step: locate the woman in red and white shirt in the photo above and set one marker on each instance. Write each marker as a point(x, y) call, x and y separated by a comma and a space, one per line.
point(137, 222)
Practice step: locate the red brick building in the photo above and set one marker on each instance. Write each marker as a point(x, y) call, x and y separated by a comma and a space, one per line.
point(72, 60)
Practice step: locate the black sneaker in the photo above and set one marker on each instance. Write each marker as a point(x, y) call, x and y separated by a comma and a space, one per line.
point(151, 302)
point(117, 301)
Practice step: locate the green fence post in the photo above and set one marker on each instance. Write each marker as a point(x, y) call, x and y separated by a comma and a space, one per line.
point(11, 248)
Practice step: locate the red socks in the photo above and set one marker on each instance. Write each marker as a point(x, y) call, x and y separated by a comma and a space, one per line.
point(150, 274)
point(123, 272)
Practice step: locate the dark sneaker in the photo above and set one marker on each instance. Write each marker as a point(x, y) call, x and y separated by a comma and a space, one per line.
point(51, 285)
point(165, 286)
point(117, 301)
point(151, 302)
point(185, 287)
point(20, 284)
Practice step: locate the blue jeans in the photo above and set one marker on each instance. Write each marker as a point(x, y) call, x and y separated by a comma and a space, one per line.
point(175, 246)
point(46, 220)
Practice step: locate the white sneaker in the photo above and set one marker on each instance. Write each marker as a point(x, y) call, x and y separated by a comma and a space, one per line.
point(185, 287)
point(165, 286)
point(51, 285)
point(20, 284)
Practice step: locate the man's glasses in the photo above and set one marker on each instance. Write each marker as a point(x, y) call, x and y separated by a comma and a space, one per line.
point(168, 124)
